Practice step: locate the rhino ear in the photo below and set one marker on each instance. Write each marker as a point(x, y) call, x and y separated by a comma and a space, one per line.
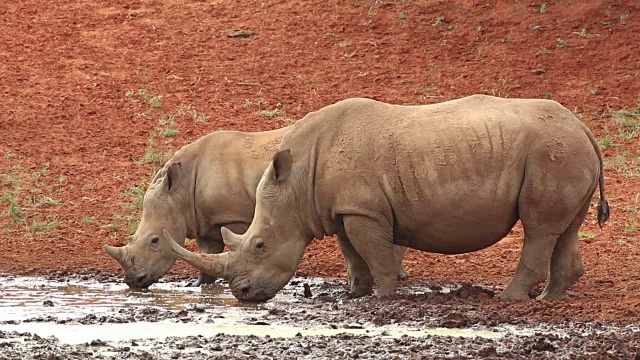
point(282, 163)
point(157, 173)
point(173, 174)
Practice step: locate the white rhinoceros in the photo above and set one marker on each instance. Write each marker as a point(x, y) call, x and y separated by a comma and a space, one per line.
point(207, 184)
point(448, 178)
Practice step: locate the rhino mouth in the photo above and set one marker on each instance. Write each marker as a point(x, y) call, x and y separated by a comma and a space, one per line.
point(247, 294)
point(140, 281)
point(244, 291)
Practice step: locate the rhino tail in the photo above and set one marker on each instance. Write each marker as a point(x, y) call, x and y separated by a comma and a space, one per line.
point(603, 206)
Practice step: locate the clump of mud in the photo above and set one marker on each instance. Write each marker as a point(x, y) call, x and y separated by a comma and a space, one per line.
point(418, 303)
point(78, 275)
point(127, 315)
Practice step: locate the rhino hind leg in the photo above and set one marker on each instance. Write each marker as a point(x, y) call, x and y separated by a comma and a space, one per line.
point(373, 241)
point(566, 262)
point(208, 246)
point(358, 274)
point(533, 267)
point(551, 208)
point(566, 266)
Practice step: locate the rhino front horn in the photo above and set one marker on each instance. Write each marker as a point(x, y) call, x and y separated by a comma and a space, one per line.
point(211, 264)
point(118, 253)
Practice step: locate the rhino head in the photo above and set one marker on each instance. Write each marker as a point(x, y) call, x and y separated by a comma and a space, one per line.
point(262, 260)
point(148, 255)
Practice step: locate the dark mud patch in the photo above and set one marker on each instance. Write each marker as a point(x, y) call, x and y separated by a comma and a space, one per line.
point(122, 316)
point(64, 276)
point(101, 276)
point(418, 303)
point(421, 303)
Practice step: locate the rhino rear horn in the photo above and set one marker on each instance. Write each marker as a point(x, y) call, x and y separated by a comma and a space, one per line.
point(210, 264)
point(232, 240)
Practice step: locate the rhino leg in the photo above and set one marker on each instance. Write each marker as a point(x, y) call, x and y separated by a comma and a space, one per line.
point(358, 274)
point(373, 240)
point(208, 246)
point(399, 252)
point(552, 207)
point(566, 267)
point(566, 261)
point(533, 267)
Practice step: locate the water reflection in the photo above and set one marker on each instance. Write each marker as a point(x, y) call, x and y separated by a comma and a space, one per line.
point(23, 298)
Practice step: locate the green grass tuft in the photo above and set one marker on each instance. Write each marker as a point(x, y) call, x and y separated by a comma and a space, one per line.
point(273, 113)
point(543, 8)
point(586, 235)
point(606, 142)
point(170, 133)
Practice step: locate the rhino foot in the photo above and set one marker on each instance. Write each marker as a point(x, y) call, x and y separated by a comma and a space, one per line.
point(204, 279)
point(403, 274)
point(551, 295)
point(507, 294)
point(360, 292)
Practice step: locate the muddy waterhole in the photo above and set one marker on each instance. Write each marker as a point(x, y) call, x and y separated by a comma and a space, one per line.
point(79, 317)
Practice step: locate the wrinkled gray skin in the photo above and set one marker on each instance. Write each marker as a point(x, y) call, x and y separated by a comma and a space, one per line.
point(448, 178)
point(207, 184)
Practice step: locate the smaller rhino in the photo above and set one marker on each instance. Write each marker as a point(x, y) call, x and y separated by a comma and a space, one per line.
point(208, 184)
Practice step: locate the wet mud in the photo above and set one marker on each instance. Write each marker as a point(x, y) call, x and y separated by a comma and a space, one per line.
point(52, 319)
point(538, 346)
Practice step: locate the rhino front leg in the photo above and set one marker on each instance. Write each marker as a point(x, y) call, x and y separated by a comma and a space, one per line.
point(358, 274)
point(373, 241)
point(208, 246)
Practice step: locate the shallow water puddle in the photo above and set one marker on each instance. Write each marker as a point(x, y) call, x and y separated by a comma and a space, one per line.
point(25, 298)
point(78, 334)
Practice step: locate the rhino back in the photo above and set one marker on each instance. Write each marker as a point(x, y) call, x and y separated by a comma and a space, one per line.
point(227, 167)
point(452, 169)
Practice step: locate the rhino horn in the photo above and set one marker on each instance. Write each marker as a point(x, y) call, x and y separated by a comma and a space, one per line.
point(211, 264)
point(118, 253)
point(232, 240)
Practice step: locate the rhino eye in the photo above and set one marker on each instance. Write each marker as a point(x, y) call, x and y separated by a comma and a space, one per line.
point(154, 241)
point(260, 245)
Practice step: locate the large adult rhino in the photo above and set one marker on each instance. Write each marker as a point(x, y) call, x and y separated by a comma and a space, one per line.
point(449, 178)
point(207, 184)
